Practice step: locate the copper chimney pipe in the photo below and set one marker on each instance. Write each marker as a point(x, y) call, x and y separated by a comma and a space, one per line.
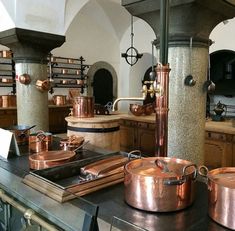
point(162, 79)
point(161, 132)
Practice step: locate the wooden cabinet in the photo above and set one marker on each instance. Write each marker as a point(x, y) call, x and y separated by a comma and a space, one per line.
point(57, 122)
point(8, 117)
point(218, 150)
point(234, 150)
point(135, 135)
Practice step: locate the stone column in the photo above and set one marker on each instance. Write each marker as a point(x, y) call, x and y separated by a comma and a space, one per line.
point(188, 20)
point(187, 104)
point(30, 50)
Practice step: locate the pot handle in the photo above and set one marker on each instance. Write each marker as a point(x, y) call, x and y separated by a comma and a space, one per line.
point(183, 178)
point(41, 135)
point(195, 171)
point(132, 156)
point(203, 171)
point(162, 165)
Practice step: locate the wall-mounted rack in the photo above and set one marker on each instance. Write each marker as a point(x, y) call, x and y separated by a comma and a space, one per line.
point(7, 70)
point(67, 72)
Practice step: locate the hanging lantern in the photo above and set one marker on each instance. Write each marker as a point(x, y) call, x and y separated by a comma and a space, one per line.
point(131, 54)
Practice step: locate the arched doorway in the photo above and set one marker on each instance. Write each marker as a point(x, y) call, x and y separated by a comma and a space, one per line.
point(98, 69)
point(103, 86)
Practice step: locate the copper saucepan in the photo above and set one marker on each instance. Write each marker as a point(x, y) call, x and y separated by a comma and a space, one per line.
point(40, 141)
point(47, 159)
point(21, 133)
point(159, 184)
point(221, 194)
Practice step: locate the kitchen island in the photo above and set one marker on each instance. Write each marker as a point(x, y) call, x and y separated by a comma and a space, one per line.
point(81, 213)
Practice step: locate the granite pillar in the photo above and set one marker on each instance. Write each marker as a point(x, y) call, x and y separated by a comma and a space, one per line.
point(30, 51)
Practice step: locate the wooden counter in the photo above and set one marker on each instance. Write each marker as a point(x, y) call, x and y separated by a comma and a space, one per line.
point(227, 126)
point(220, 143)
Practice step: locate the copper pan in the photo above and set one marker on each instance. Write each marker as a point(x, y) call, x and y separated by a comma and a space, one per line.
point(221, 194)
point(159, 184)
point(48, 159)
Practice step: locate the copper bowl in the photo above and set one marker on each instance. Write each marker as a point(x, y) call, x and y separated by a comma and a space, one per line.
point(137, 109)
point(148, 109)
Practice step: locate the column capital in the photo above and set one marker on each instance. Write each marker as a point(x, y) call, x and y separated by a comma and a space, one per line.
point(188, 18)
point(30, 46)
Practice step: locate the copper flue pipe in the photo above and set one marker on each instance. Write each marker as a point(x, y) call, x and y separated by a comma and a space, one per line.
point(161, 133)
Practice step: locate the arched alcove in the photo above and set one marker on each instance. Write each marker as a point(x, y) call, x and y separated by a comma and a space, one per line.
point(102, 66)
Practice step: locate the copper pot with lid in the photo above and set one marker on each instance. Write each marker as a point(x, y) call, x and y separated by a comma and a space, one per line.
point(83, 106)
point(169, 183)
point(221, 194)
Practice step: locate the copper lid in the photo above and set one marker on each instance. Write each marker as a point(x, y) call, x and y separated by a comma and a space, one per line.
point(223, 176)
point(160, 167)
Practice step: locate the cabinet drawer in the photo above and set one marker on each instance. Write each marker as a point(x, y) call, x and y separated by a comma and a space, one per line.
point(129, 123)
point(144, 125)
point(216, 136)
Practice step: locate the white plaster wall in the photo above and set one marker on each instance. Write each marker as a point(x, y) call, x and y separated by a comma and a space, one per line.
point(130, 77)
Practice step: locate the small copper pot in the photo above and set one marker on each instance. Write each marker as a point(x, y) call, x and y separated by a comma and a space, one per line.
point(83, 106)
point(59, 99)
point(159, 184)
point(71, 143)
point(43, 85)
point(8, 100)
point(40, 141)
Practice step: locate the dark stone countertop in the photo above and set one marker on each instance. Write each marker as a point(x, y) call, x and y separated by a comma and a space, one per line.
point(111, 203)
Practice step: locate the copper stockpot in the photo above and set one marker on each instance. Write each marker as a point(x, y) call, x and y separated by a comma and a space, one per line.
point(159, 184)
point(221, 194)
point(83, 106)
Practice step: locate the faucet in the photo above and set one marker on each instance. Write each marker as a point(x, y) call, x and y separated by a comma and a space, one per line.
point(154, 89)
point(127, 98)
